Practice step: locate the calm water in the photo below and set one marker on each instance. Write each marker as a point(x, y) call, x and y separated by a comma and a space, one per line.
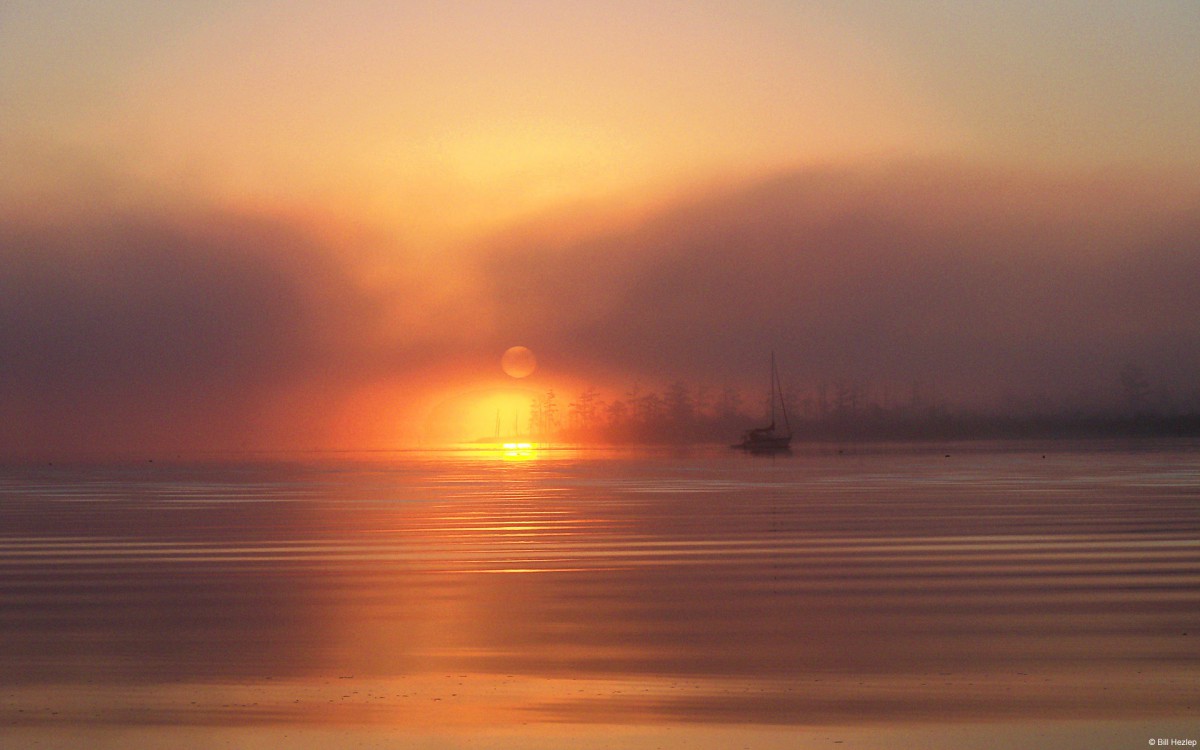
point(962, 596)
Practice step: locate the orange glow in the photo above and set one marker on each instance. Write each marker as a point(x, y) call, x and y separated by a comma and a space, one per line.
point(490, 416)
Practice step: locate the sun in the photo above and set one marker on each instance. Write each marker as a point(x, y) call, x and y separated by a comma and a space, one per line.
point(518, 362)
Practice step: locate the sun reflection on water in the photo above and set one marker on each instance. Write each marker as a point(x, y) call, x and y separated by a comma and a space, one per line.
point(506, 451)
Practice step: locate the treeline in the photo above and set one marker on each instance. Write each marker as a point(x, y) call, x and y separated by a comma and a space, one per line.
point(844, 410)
point(677, 414)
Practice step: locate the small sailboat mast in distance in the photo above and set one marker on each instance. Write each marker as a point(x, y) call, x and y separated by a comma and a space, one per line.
point(772, 438)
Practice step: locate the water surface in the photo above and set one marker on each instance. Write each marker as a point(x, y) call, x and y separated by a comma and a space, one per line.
point(882, 597)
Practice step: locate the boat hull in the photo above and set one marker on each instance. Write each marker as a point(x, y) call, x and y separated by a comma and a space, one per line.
point(760, 444)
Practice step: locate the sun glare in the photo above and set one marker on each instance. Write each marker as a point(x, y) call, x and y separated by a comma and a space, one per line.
point(504, 451)
point(519, 451)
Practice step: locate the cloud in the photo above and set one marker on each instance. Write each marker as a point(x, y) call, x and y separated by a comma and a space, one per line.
point(180, 330)
point(979, 283)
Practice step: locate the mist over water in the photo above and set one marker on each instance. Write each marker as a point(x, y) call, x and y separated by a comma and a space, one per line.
point(903, 285)
point(902, 589)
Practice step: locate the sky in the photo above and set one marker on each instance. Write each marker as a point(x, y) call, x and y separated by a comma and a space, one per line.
point(243, 225)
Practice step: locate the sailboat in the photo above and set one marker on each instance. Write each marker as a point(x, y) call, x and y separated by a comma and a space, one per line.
point(772, 438)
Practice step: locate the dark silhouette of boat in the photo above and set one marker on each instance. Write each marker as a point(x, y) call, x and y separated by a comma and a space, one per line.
point(772, 438)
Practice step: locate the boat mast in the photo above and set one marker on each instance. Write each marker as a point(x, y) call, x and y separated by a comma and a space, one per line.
point(772, 427)
point(778, 386)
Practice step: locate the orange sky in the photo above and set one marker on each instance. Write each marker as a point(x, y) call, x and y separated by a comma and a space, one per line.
point(245, 224)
